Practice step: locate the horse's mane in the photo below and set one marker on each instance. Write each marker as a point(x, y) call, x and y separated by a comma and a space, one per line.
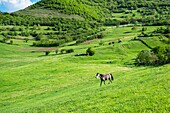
point(101, 75)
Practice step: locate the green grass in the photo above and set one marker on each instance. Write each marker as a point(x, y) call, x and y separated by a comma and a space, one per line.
point(46, 13)
point(32, 82)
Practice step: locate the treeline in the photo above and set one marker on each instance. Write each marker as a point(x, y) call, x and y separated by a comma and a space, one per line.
point(151, 12)
point(25, 20)
point(57, 40)
point(150, 21)
point(50, 35)
point(59, 31)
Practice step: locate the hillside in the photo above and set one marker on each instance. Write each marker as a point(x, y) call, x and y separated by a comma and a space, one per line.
point(34, 82)
point(82, 20)
point(112, 11)
point(46, 65)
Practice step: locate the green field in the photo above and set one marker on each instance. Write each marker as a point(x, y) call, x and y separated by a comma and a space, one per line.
point(33, 82)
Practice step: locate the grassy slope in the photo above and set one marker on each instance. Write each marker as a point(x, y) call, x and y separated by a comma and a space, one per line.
point(31, 82)
point(65, 9)
point(47, 13)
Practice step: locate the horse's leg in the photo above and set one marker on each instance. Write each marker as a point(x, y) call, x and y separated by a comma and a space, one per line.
point(101, 83)
point(110, 80)
point(104, 81)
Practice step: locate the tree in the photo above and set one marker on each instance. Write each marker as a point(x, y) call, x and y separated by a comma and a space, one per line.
point(11, 42)
point(38, 37)
point(144, 29)
point(62, 51)
point(26, 40)
point(146, 57)
point(161, 53)
point(69, 50)
point(56, 51)
point(157, 56)
point(47, 53)
point(90, 51)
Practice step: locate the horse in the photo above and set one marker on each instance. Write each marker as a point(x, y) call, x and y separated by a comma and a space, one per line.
point(104, 77)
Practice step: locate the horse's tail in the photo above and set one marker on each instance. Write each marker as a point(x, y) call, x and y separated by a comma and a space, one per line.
point(111, 76)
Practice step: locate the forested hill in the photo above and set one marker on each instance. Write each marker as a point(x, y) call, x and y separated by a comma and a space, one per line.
point(80, 20)
point(102, 11)
point(88, 9)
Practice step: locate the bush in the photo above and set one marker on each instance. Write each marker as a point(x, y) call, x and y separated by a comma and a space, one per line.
point(62, 51)
point(144, 29)
point(11, 42)
point(90, 51)
point(101, 43)
point(56, 51)
point(26, 40)
point(162, 53)
point(157, 56)
point(14, 29)
point(1, 38)
point(134, 28)
point(38, 37)
point(81, 40)
point(100, 36)
point(48, 43)
point(146, 57)
point(69, 50)
point(47, 53)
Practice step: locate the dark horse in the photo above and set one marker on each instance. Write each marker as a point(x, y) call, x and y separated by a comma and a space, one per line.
point(104, 77)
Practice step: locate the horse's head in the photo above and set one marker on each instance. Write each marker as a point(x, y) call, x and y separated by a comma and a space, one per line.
point(97, 75)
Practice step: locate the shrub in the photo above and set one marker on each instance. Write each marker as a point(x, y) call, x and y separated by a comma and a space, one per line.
point(101, 35)
point(26, 40)
point(80, 40)
point(38, 37)
point(1, 38)
point(157, 56)
point(4, 40)
point(63, 50)
point(56, 51)
point(14, 29)
point(101, 43)
point(48, 43)
point(144, 29)
point(69, 50)
point(47, 53)
point(168, 53)
point(90, 51)
point(21, 29)
point(134, 28)
point(162, 53)
point(11, 42)
point(146, 57)
point(159, 50)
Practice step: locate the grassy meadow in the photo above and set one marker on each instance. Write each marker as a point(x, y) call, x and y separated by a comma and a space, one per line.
point(35, 83)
